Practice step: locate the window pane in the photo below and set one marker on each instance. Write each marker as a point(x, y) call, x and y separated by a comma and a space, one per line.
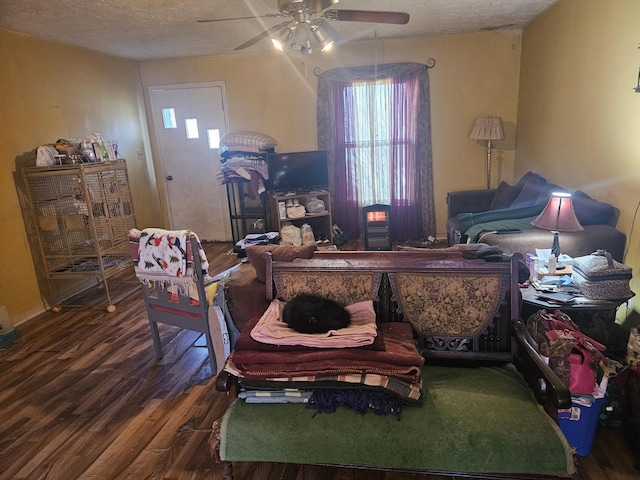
point(213, 136)
point(368, 139)
point(169, 118)
point(191, 126)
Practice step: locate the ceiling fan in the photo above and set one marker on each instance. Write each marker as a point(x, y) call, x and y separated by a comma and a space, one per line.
point(307, 19)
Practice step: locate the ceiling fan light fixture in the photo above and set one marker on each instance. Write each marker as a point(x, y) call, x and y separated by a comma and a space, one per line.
point(323, 38)
point(281, 38)
point(307, 49)
point(300, 37)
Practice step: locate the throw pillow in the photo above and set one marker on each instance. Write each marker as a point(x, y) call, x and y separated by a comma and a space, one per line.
point(248, 139)
point(545, 193)
point(279, 253)
point(531, 177)
point(530, 192)
point(504, 196)
point(590, 211)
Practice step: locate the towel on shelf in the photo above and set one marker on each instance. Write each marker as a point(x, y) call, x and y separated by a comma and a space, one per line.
point(275, 396)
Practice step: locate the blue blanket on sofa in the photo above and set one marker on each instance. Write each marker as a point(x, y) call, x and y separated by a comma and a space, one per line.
point(472, 224)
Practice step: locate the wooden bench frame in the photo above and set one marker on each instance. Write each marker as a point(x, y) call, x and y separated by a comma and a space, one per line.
point(547, 387)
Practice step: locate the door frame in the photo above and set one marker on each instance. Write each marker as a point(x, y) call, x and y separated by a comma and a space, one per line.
point(155, 144)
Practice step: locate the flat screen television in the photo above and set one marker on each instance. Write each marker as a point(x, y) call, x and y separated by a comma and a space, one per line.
point(298, 171)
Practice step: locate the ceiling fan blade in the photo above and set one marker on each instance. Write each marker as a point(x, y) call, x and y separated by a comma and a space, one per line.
point(319, 5)
point(289, 7)
point(263, 35)
point(212, 20)
point(397, 18)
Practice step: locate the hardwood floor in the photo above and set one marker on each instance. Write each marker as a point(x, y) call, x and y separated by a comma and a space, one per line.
point(82, 396)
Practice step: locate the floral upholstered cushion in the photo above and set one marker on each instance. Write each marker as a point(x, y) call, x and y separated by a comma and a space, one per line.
point(449, 305)
point(344, 288)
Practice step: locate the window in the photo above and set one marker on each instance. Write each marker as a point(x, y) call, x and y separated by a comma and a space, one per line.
point(169, 118)
point(369, 145)
point(374, 122)
point(213, 138)
point(191, 126)
point(380, 121)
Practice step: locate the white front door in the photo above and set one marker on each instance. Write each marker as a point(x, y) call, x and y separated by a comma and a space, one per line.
point(188, 120)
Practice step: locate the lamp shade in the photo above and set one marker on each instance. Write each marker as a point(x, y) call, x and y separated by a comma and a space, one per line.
point(322, 38)
point(487, 128)
point(558, 215)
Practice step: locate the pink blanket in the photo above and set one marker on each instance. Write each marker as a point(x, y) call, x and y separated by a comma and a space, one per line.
point(361, 331)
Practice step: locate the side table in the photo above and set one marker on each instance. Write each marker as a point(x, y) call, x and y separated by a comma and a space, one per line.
point(584, 312)
point(595, 318)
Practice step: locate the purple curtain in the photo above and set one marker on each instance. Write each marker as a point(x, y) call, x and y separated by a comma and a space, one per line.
point(406, 209)
point(338, 133)
point(346, 211)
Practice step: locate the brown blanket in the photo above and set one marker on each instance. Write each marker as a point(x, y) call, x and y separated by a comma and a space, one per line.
point(406, 391)
point(399, 359)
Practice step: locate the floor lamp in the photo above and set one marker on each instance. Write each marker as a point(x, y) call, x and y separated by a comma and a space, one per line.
point(488, 128)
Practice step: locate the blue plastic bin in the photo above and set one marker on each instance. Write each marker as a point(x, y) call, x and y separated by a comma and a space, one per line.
point(579, 424)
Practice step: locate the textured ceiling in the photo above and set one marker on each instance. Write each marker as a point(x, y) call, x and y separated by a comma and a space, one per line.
point(153, 29)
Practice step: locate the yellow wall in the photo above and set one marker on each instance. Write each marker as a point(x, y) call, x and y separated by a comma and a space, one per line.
point(51, 91)
point(578, 116)
point(275, 93)
point(570, 90)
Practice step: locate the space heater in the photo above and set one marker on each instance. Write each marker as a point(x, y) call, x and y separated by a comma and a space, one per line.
point(377, 234)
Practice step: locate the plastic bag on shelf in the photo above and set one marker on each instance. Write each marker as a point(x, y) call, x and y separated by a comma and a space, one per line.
point(291, 234)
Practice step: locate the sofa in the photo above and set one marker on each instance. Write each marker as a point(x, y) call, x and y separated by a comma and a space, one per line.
point(483, 410)
point(502, 217)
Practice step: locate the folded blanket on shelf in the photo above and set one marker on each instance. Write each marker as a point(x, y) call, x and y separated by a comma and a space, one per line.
point(408, 392)
point(257, 239)
point(241, 163)
point(361, 331)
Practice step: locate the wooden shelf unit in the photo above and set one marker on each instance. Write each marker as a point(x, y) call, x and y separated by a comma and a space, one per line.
point(245, 209)
point(320, 222)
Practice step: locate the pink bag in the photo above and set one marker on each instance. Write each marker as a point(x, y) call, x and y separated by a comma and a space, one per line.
point(582, 378)
point(573, 356)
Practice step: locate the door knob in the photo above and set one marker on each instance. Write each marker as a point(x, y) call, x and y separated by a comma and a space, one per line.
point(169, 177)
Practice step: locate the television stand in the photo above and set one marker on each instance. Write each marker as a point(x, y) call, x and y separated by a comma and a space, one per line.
point(320, 222)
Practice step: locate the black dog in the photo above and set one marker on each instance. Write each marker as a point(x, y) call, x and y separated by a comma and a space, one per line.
point(313, 314)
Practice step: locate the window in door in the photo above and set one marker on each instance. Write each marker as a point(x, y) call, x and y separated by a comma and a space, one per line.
point(213, 138)
point(169, 118)
point(191, 127)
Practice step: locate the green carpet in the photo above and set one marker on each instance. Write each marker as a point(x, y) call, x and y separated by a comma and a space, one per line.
point(474, 420)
